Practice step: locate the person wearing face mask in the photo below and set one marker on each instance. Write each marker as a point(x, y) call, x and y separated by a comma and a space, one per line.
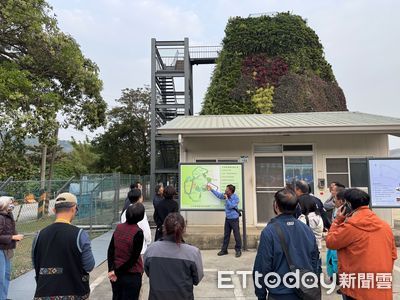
point(300, 243)
point(62, 256)
point(8, 239)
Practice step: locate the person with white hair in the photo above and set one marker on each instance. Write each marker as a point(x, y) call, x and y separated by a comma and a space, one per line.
point(8, 239)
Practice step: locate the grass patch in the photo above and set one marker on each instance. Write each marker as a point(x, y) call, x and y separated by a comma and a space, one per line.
point(31, 227)
point(22, 262)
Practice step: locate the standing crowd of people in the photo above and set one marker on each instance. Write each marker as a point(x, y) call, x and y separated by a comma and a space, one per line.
point(291, 242)
point(361, 249)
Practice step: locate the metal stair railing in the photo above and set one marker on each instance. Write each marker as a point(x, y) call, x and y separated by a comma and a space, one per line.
point(204, 52)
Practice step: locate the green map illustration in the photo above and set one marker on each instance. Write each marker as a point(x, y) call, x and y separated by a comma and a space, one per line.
point(196, 184)
point(194, 179)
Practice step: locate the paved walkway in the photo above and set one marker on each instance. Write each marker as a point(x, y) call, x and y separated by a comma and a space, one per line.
point(208, 287)
point(23, 287)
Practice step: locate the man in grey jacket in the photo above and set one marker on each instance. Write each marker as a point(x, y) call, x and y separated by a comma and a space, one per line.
point(329, 204)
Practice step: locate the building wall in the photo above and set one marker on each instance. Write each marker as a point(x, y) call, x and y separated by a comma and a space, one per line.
point(350, 145)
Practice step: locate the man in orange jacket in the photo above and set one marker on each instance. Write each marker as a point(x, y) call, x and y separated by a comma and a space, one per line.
point(366, 249)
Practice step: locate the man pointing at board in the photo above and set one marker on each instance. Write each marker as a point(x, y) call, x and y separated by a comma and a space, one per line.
point(231, 220)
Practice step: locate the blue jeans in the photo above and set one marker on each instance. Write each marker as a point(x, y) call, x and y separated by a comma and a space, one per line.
point(5, 275)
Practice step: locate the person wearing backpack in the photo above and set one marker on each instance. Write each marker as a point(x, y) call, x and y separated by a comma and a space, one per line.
point(285, 239)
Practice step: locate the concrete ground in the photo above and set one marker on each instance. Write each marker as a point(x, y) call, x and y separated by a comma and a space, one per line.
point(208, 287)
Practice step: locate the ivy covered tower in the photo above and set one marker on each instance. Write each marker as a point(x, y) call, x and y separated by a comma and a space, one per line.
point(272, 64)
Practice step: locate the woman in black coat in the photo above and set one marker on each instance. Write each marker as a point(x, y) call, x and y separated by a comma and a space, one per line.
point(164, 208)
point(8, 239)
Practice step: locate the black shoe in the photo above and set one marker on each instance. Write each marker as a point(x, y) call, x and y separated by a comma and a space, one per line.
point(220, 253)
point(238, 253)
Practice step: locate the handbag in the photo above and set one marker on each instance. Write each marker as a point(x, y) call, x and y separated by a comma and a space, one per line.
point(302, 292)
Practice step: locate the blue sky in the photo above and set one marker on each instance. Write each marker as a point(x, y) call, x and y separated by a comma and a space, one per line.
point(361, 39)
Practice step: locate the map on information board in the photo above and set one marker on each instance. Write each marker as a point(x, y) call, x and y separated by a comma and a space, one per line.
point(194, 178)
point(384, 181)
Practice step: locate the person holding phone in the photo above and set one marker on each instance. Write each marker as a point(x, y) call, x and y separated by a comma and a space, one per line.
point(365, 245)
point(8, 239)
point(231, 220)
point(331, 255)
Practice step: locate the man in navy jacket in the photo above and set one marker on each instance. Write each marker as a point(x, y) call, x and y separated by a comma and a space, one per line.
point(270, 257)
point(231, 220)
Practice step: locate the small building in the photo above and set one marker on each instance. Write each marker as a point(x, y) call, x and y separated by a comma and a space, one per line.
point(276, 149)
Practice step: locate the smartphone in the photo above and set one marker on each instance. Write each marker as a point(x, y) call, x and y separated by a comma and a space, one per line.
point(346, 209)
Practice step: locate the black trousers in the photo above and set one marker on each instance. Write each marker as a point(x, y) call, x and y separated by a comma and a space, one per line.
point(232, 224)
point(127, 286)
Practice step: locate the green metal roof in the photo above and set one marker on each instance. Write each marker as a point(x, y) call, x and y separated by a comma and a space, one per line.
point(312, 122)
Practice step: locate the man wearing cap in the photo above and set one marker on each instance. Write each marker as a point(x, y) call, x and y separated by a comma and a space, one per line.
point(62, 255)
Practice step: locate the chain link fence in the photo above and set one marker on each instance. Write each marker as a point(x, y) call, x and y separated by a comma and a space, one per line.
point(100, 199)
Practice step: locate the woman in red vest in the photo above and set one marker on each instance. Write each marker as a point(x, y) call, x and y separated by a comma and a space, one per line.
point(125, 265)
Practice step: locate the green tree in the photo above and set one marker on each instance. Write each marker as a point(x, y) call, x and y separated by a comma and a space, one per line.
point(125, 145)
point(14, 160)
point(82, 160)
point(43, 73)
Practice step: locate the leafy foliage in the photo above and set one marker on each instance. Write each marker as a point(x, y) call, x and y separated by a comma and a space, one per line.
point(125, 146)
point(43, 73)
point(262, 100)
point(259, 53)
point(307, 92)
point(82, 160)
point(264, 70)
point(226, 77)
point(14, 160)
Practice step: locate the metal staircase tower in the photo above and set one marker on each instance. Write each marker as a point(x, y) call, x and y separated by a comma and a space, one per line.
point(172, 96)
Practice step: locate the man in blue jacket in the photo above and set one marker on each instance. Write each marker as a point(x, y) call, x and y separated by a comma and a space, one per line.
point(270, 258)
point(231, 220)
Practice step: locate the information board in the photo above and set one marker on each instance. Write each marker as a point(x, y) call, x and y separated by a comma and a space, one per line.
point(194, 178)
point(384, 182)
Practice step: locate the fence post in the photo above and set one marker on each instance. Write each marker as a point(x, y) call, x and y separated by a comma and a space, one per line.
point(91, 211)
point(116, 195)
point(41, 204)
